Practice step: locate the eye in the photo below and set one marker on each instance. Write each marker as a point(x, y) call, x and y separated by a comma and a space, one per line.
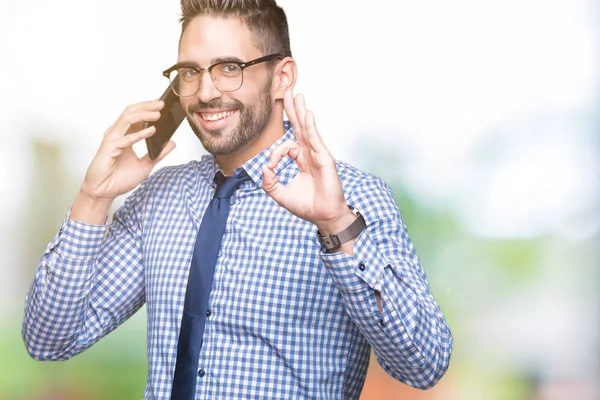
point(187, 73)
point(229, 69)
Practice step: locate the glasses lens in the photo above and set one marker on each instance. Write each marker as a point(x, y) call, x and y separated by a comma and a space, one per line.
point(184, 81)
point(227, 76)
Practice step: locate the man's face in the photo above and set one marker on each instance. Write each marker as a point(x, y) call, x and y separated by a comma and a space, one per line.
point(225, 122)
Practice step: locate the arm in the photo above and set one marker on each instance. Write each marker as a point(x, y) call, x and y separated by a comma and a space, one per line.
point(407, 329)
point(84, 287)
point(384, 286)
point(85, 284)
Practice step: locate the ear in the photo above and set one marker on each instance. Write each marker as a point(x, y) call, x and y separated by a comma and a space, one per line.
point(284, 77)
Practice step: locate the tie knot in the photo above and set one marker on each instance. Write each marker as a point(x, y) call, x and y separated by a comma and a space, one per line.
point(226, 185)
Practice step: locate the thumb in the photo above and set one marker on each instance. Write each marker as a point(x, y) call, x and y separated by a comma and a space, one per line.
point(272, 186)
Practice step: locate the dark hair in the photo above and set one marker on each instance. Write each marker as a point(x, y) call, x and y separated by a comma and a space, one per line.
point(264, 18)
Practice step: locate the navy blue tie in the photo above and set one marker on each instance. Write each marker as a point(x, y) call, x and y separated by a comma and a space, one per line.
point(200, 280)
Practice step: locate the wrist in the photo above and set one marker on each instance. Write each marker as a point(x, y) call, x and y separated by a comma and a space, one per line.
point(342, 238)
point(90, 210)
point(337, 224)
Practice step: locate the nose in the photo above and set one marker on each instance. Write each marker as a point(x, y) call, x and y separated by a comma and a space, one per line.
point(207, 90)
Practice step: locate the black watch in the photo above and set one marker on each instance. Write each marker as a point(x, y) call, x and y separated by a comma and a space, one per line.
point(337, 239)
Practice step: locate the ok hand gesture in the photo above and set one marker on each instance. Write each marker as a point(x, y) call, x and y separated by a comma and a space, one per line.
point(315, 194)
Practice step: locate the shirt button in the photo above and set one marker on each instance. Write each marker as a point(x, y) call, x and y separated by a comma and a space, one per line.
point(361, 267)
point(232, 201)
point(201, 372)
point(208, 313)
point(220, 253)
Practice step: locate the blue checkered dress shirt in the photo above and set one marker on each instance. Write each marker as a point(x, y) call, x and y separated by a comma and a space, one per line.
point(287, 320)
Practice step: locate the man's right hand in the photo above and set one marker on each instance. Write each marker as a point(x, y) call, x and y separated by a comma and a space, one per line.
point(116, 169)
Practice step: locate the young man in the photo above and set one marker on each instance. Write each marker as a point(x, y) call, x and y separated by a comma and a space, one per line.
point(279, 307)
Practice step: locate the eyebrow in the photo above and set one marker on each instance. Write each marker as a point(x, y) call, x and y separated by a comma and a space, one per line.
point(189, 63)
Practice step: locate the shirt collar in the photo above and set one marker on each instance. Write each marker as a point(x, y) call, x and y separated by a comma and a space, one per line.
point(253, 166)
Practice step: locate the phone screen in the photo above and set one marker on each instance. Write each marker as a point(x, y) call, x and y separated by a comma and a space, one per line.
point(171, 117)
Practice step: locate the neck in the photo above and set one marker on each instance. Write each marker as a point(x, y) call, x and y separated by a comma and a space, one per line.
point(272, 133)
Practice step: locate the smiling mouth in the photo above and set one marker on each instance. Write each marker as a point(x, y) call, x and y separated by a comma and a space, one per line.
point(216, 116)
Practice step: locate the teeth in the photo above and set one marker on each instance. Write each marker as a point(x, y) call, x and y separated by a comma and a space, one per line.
point(216, 117)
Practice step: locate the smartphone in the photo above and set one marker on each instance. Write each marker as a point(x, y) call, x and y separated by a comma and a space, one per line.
point(171, 117)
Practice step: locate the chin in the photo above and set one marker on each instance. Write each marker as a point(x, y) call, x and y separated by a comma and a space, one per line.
point(220, 144)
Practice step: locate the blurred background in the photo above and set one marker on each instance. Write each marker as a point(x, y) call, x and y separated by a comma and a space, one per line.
point(484, 116)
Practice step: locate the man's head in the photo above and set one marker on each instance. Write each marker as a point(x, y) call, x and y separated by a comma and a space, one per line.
point(264, 18)
point(227, 120)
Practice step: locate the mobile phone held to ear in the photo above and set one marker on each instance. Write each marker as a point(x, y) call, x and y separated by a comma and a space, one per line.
point(171, 117)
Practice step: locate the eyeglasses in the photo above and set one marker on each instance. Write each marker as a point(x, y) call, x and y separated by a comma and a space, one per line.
point(227, 76)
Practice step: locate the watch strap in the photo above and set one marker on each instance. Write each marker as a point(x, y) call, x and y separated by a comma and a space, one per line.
point(337, 239)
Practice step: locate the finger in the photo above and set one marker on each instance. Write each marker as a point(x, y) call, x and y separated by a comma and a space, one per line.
point(300, 107)
point(294, 153)
point(280, 151)
point(133, 138)
point(147, 116)
point(271, 185)
point(151, 105)
point(290, 110)
point(133, 123)
point(146, 111)
point(313, 135)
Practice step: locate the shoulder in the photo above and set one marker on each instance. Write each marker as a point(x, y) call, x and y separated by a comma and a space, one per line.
point(368, 193)
point(172, 174)
point(163, 185)
point(171, 178)
point(354, 179)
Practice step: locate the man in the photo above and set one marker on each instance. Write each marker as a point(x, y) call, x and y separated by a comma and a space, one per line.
point(290, 311)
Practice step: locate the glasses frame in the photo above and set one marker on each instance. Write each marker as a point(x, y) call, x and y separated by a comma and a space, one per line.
point(199, 70)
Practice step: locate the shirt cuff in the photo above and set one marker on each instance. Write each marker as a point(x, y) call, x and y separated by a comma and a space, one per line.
point(364, 268)
point(78, 241)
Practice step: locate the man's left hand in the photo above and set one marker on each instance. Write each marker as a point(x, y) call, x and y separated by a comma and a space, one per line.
point(315, 194)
